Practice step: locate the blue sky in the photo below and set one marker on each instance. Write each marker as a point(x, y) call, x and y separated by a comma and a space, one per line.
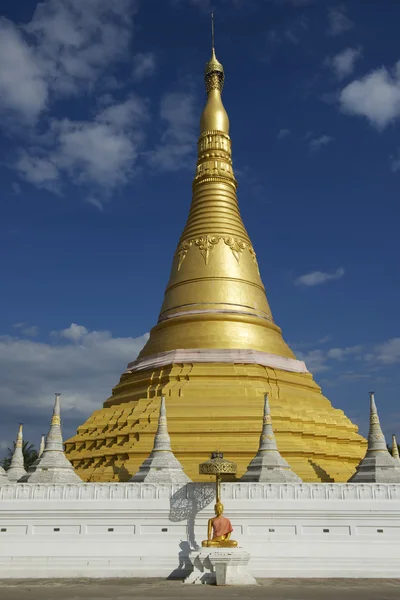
point(99, 104)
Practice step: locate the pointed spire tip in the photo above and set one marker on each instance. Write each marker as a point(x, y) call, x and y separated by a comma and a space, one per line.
point(212, 30)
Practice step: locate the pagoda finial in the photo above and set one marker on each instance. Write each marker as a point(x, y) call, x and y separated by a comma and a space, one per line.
point(162, 441)
point(267, 439)
point(41, 447)
point(376, 439)
point(19, 441)
point(56, 420)
point(212, 30)
point(214, 117)
point(214, 72)
point(17, 469)
point(395, 448)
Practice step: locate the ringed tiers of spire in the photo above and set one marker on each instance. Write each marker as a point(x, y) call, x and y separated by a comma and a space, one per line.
point(215, 297)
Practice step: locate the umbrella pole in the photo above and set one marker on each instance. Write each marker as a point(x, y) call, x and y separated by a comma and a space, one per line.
point(218, 487)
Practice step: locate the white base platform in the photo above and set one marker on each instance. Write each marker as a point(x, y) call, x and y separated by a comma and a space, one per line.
point(220, 566)
point(150, 530)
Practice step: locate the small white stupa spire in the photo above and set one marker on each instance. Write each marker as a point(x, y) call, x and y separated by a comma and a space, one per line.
point(54, 466)
point(3, 477)
point(17, 469)
point(41, 447)
point(395, 448)
point(377, 466)
point(161, 466)
point(268, 464)
point(33, 466)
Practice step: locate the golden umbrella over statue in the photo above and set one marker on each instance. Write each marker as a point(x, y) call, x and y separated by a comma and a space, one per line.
point(219, 528)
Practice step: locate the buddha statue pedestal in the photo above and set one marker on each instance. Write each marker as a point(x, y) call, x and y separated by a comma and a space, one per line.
point(220, 566)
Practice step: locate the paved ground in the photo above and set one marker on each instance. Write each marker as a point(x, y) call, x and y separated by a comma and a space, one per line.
point(155, 589)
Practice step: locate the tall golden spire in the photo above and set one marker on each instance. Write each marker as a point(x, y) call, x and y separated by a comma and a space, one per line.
point(215, 350)
point(215, 297)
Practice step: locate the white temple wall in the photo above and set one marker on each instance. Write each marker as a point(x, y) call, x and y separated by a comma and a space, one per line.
point(147, 530)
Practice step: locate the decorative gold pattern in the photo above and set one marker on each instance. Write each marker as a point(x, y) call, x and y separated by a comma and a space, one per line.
point(237, 246)
point(182, 251)
point(214, 74)
point(206, 243)
point(253, 254)
point(218, 466)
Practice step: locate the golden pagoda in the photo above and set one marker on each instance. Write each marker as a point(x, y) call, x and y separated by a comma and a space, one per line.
point(216, 351)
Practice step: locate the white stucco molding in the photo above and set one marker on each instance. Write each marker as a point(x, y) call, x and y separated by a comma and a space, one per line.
point(205, 355)
point(230, 491)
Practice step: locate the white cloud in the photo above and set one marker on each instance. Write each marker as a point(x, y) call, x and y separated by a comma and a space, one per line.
point(292, 34)
point(133, 112)
point(317, 143)
point(352, 364)
point(338, 21)
point(387, 353)
point(69, 48)
point(28, 330)
point(99, 154)
point(83, 365)
point(64, 49)
point(342, 353)
point(144, 65)
point(41, 172)
point(318, 277)
point(315, 360)
point(178, 141)
point(343, 63)
point(95, 153)
point(22, 87)
point(375, 96)
point(78, 40)
point(283, 133)
point(74, 333)
point(395, 162)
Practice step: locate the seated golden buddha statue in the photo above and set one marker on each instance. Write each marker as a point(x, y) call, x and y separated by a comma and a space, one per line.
point(219, 530)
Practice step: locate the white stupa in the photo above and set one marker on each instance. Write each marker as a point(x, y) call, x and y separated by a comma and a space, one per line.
point(54, 466)
point(395, 449)
point(268, 465)
point(17, 469)
point(33, 466)
point(161, 466)
point(377, 466)
point(3, 477)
